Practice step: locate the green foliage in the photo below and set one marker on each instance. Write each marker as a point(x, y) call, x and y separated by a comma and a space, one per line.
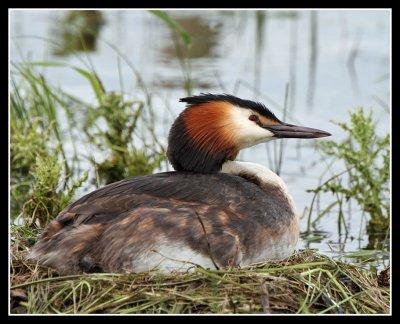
point(121, 118)
point(366, 157)
point(41, 182)
point(26, 142)
point(94, 80)
point(129, 164)
point(46, 199)
point(36, 175)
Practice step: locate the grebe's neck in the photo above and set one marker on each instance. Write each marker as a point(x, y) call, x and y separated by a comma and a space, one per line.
point(260, 175)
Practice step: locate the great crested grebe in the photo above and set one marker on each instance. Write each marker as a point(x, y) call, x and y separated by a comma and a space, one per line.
point(212, 211)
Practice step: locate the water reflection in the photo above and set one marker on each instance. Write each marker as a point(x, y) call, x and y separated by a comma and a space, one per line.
point(313, 57)
point(285, 14)
point(292, 62)
point(261, 19)
point(351, 66)
point(77, 31)
point(204, 38)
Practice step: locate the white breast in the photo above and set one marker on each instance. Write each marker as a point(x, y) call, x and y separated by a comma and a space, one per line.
point(166, 256)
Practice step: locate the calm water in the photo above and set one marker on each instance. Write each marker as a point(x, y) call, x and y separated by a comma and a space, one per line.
point(332, 60)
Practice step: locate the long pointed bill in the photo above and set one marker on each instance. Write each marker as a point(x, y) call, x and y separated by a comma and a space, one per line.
point(292, 131)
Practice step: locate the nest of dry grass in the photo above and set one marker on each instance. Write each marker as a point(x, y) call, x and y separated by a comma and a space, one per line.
point(305, 283)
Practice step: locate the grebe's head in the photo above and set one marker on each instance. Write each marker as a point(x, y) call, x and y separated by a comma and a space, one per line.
point(214, 128)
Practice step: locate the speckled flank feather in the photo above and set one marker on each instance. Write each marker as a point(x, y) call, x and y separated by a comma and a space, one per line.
point(130, 225)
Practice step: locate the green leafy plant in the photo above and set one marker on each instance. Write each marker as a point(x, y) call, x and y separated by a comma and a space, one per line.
point(366, 157)
point(46, 198)
point(41, 180)
point(26, 142)
point(121, 119)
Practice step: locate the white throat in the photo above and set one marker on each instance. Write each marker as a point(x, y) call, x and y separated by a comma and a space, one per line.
point(263, 174)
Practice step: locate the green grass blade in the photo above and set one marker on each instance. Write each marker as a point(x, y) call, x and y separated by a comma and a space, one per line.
point(94, 81)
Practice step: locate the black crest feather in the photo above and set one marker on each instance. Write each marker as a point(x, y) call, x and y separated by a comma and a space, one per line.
point(209, 97)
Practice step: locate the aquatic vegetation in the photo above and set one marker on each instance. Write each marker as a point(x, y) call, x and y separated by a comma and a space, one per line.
point(45, 198)
point(26, 143)
point(366, 157)
point(123, 118)
point(41, 180)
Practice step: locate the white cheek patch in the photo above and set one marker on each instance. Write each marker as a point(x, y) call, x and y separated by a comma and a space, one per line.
point(247, 132)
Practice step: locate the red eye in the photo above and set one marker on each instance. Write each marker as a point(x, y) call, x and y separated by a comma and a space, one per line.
point(253, 118)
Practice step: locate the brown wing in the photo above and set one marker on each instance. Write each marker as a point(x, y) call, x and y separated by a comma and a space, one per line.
point(227, 191)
